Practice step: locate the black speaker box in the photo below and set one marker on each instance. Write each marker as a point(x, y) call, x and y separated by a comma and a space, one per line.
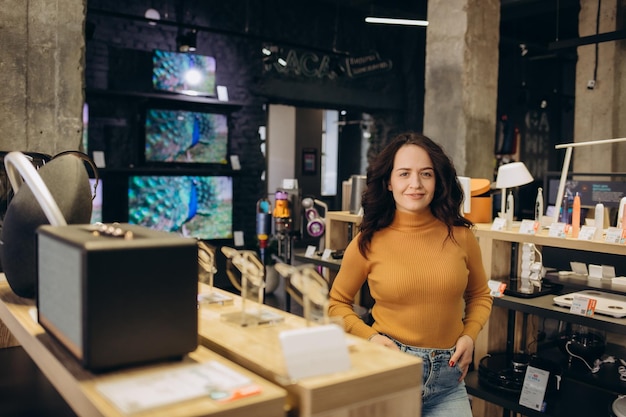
point(120, 298)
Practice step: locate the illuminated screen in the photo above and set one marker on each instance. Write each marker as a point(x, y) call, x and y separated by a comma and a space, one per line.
point(185, 136)
point(192, 206)
point(183, 73)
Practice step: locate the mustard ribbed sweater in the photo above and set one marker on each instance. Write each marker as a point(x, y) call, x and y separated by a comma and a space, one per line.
point(429, 290)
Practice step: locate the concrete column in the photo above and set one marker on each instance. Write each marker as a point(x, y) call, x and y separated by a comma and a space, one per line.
point(460, 104)
point(599, 112)
point(41, 74)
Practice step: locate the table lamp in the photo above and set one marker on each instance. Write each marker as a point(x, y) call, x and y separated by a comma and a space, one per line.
point(511, 175)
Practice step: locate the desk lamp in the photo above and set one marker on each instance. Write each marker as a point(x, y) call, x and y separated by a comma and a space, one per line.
point(511, 175)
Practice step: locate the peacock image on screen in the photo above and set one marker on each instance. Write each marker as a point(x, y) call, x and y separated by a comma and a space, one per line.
point(184, 73)
point(192, 206)
point(185, 136)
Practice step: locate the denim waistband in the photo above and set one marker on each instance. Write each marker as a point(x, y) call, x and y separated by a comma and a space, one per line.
point(422, 351)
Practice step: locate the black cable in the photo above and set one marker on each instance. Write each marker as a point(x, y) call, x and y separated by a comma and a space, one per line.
point(595, 65)
point(558, 9)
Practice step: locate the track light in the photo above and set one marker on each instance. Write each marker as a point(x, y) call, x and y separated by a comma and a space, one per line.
point(393, 21)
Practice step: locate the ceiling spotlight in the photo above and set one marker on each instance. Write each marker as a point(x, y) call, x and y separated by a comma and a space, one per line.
point(523, 49)
point(393, 21)
point(152, 14)
point(282, 62)
point(268, 50)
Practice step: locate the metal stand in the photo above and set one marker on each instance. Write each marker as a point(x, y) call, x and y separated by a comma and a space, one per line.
point(252, 284)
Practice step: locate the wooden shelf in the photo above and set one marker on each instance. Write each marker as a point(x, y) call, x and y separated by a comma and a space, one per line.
point(78, 386)
point(513, 319)
point(341, 227)
point(483, 231)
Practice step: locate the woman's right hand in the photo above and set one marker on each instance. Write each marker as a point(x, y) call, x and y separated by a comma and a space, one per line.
point(383, 340)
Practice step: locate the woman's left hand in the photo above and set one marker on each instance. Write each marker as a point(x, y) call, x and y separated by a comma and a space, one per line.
point(463, 354)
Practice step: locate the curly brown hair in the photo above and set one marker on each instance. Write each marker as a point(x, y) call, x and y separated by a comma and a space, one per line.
point(377, 201)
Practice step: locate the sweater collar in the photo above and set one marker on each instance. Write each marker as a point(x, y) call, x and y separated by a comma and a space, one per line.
point(403, 219)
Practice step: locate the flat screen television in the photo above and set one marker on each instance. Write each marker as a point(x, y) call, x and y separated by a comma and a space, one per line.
point(190, 205)
point(185, 73)
point(185, 136)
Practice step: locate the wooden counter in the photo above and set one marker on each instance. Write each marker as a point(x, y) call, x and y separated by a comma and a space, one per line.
point(79, 387)
point(380, 383)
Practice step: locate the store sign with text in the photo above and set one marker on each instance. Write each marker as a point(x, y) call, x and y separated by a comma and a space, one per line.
point(311, 64)
point(366, 65)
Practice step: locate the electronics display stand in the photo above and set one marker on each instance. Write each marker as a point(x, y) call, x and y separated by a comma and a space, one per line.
point(252, 271)
point(206, 275)
point(309, 289)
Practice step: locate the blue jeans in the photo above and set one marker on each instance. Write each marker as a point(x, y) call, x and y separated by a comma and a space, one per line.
point(442, 393)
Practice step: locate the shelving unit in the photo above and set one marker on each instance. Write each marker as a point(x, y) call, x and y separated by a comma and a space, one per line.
point(173, 97)
point(341, 227)
point(508, 328)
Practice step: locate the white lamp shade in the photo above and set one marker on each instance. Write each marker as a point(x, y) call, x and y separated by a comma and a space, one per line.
point(513, 175)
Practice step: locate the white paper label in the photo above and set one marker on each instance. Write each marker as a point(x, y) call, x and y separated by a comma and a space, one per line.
point(534, 388)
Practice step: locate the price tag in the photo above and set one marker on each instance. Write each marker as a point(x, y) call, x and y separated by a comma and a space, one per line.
point(496, 288)
point(614, 235)
point(558, 230)
point(499, 224)
point(310, 251)
point(583, 306)
point(529, 227)
point(586, 233)
point(326, 254)
point(534, 388)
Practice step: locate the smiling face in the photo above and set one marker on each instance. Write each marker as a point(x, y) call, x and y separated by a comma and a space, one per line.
point(412, 180)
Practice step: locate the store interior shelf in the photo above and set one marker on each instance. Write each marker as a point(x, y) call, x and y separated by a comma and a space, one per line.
point(578, 283)
point(573, 399)
point(164, 96)
point(333, 264)
point(545, 307)
point(514, 322)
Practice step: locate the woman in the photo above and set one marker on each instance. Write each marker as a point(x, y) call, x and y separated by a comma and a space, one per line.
point(423, 266)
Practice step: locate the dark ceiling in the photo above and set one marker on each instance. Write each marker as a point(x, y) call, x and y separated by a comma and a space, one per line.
point(522, 21)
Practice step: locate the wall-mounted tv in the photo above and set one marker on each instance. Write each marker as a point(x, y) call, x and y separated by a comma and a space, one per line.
point(190, 205)
point(184, 73)
point(186, 136)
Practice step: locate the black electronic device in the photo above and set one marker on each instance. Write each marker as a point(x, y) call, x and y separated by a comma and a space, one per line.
point(506, 372)
point(117, 295)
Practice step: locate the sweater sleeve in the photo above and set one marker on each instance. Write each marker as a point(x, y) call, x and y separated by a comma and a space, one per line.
point(349, 280)
point(477, 295)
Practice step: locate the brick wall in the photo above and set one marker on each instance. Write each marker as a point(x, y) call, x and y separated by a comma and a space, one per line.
point(118, 57)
